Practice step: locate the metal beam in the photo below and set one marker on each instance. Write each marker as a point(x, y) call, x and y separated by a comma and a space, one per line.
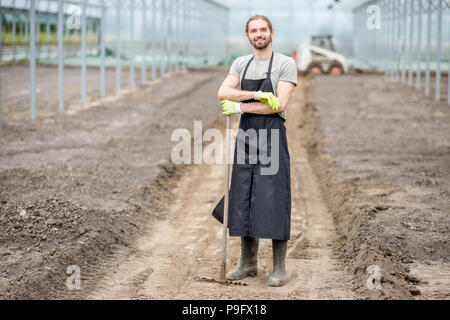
point(186, 31)
point(1, 38)
point(403, 48)
point(153, 35)
point(419, 48)
point(132, 56)
point(83, 52)
point(427, 72)
point(438, 57)
point(411, 44)
point(163, 38)
point(169, 19)
point(102, 51)
point(61, 55)
point(144, 43)
point(175, 5)
point(118, 62)
point(32, 14)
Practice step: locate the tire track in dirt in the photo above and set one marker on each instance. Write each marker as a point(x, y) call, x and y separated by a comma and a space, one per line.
point(187, 242)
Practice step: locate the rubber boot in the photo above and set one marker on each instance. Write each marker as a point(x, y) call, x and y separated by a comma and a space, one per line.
point(278, 277)
point(248, 265)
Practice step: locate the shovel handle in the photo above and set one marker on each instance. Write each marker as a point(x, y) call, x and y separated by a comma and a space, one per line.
point(223, 268)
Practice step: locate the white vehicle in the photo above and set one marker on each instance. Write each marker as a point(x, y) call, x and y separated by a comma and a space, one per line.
point(317, 60)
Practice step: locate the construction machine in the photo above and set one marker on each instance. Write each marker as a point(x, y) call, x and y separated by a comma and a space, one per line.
point(319, 57)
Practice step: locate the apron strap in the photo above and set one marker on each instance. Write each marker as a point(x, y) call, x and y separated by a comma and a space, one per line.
point(270, 67)
point(246, 68)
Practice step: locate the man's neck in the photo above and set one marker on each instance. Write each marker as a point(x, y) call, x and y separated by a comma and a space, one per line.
point(265, 53)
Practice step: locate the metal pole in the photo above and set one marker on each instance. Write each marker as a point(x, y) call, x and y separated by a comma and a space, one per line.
point(372, 39)
point(196, 30)
point(176, 34)
point(61, 54)
point(144, 43)
point(384, 32)
point(419, 48)
point(33, 59)
point(153, 34)
point(169, 17)
point(132, 43)
point(356, 32)
point(388, 31)
point(181, 26)
point(411, 46)
point(205, 30)
point(388, 37)
point(102, 52)
point(397, 51)
point(190, 29)
point(163, 40)
point(438, 58)
point(427, 73)
point(83, 52)
point(393, 51)
point(118, 67)
point(1, 43)
point(403, 60)
point(184, 27)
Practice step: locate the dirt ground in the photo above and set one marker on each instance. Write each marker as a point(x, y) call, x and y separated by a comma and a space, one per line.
point(15, 93)
point(76, 186)
point(94, 187)
point(383, 154)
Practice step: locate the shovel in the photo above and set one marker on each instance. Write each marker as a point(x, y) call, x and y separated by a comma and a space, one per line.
point(223, 268)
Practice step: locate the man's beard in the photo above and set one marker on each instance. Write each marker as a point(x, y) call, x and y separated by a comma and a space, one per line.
point(262, 45)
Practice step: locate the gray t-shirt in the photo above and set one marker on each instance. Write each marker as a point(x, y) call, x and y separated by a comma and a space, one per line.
point(283, 68)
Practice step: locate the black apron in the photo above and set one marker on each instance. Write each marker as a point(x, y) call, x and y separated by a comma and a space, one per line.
point(259, 205)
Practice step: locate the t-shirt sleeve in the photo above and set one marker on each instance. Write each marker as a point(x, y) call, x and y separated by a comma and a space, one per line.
point(235, 68)
point(289, 71)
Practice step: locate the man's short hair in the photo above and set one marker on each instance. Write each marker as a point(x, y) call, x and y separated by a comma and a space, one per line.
point(256, 17)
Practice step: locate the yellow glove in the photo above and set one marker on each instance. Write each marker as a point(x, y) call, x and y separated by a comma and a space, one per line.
point(268, 98)
point(230, 107)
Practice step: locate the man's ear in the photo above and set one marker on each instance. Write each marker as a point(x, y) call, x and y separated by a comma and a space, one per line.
point(273, 32)
point(246, 35)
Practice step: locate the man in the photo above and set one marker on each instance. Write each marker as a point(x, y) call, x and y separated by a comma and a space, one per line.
point(259, 204)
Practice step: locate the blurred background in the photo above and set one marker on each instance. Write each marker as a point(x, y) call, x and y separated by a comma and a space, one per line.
point(157, 37)
point(214, 29)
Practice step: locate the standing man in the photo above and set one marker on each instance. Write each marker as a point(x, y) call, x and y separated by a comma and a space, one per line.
point(259, 87)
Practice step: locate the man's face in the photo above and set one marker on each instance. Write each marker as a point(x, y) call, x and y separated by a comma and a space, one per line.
point(259, 34)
